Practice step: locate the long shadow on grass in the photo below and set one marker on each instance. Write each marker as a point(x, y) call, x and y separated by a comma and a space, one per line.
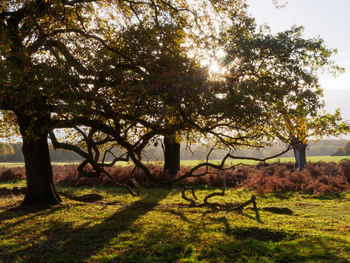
point(28, 211)
point(257, 244)
point(67, 244)
point(242, 213)
point(261, 234)
point(195, 243)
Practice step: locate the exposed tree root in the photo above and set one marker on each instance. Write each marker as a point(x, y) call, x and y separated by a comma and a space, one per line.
point(218, 206)
point(193, 203)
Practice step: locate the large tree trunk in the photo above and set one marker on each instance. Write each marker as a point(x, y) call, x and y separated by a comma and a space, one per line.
point(171, 156)
point(300, 155)
point(40, 187)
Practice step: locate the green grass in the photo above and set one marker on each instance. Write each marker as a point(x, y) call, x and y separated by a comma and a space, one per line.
point(157, 227)
point(336, 159)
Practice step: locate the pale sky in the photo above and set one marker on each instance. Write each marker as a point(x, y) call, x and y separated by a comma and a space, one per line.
point(328, 19)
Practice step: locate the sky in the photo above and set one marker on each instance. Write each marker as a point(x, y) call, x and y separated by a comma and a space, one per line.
point(328, 19)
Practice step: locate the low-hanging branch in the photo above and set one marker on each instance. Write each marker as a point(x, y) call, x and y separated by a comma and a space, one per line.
point(98, 167)
point(221, 166)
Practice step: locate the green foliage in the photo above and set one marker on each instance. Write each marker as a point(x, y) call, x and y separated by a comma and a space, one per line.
point(283, 83)
point(8, 125)
point(127, 74)
point(6, 151)
point(141, 59)
point(155, 228)
point(68, 64)
point(341, 151)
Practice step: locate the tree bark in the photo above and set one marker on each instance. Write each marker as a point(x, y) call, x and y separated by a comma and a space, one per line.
point(171, 156)
point(300, 155)
point(40, 186)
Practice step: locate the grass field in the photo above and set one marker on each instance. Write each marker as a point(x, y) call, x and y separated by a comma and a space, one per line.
point(194, 162)
point(284, 159)
point(159, 227)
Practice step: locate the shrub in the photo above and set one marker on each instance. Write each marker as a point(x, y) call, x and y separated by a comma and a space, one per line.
point(12, 174)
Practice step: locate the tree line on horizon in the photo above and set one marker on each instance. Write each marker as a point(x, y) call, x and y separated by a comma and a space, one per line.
point(13, 152)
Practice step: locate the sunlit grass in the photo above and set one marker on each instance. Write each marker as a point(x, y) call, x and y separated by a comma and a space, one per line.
point(336, 159)
point(157, 227)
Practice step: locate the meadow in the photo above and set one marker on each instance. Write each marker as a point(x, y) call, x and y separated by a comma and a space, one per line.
point(313, 159)
point(159, 226)
point(301, 216)
point(336, 159)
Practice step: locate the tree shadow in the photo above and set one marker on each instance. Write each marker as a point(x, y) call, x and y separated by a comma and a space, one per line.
point(256, 211)
point(64, 240)
point(262, 234)
point(238, 244)
point(278, 210)
point(179, 214)
point(64, 243)
point(224, 221)
point(254, 244)
point(98, 189)
point(20, 211)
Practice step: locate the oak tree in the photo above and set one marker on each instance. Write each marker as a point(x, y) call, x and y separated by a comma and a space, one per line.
point(51, 54)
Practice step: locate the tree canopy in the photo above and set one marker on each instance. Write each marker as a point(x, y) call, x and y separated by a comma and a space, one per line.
point(130, 73)
point(265, 80)
point(53, 54)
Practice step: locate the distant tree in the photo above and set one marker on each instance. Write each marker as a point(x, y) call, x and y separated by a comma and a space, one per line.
point(342, 151)
point(347, 149)
point(299, 130)
point(284, 80)
point(338, 152)
point(6, 152)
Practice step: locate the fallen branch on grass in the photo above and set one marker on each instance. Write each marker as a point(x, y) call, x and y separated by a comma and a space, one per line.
point(218, 206)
